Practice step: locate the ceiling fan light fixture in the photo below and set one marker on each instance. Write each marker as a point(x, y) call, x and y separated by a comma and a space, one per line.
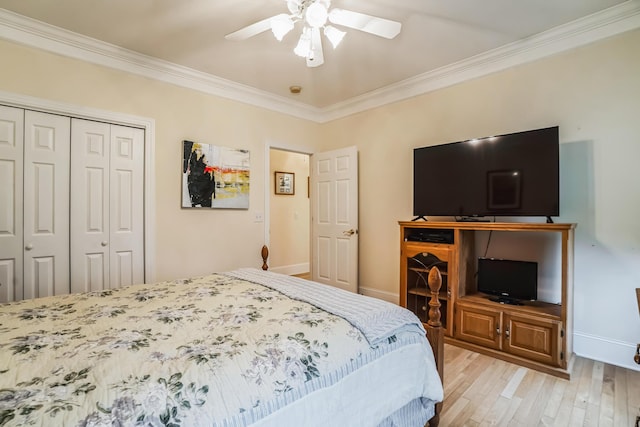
point(303, 48)
point(316, 15)
point(294, 6)
point(280, 26)
point(334, 35)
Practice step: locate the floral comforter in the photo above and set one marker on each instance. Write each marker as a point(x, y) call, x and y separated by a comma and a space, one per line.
point(214, 350)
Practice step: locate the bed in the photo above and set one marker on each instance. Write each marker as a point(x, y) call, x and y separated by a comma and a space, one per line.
point(242, 348)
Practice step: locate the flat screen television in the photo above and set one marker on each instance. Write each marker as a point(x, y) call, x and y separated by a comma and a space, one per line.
point(507, 175)
point(508, 280)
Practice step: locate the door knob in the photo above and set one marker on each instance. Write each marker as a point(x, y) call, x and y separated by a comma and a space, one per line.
point(349, 232)
point(29, 247)
point(104, 243)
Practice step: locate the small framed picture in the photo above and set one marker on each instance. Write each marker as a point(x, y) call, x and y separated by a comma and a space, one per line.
point(285, 183)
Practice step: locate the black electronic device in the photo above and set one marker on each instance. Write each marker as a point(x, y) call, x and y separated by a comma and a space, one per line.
point(508, 280)
point(432, 236)
point(508, 175)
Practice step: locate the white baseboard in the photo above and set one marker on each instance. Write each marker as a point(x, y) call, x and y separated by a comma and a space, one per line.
point(291, 269)
point(386, 296)
point(606, 350)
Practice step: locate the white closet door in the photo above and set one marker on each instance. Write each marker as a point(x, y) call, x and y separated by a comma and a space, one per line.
point(11, 236)
point(46, 204)
point(126, 207)
point(107, 235)
point(89, 205)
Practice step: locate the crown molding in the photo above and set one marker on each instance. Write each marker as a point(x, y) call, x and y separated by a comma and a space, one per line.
point(607, 23)
point(33, 33)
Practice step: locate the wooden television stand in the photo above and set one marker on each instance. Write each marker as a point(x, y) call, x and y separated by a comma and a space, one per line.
point(537, 334)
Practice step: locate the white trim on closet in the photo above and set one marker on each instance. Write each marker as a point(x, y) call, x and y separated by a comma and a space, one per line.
point(148, 124)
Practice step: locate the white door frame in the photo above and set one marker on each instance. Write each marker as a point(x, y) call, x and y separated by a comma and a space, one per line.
point(267, 179)
point(148, 124)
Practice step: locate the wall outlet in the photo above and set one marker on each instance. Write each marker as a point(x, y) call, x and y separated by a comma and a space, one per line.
point(259, 217)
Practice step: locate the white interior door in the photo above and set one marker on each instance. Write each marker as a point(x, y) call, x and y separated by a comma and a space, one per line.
point(46, 204)
point(11, 234)
point(334, 218)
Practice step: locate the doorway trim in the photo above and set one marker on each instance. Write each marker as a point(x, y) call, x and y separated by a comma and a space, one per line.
point(268, 146)
point(148, 124)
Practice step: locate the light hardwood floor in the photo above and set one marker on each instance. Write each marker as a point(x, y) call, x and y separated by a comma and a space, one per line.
point(483, 391)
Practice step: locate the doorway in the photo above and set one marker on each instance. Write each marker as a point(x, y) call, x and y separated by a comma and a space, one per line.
point(289, 218)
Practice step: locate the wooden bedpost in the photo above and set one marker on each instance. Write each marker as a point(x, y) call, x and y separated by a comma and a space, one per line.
point(435, 332)
point(265, 255)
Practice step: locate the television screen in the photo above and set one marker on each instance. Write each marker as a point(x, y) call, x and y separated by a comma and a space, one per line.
point(507, 175)
point(508, 279)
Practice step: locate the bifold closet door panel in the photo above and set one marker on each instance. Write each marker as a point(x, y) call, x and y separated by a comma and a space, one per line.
point(11, 227)
point(107, 233)
point(126, 207)
point(46, 204)
point(89, 205)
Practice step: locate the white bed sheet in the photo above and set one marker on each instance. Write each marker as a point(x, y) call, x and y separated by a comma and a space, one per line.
point(391, 382)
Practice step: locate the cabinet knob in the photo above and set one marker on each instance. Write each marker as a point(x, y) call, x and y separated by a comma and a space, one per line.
point(104, 243)
point(506, 333)
point(29, 247)
point(498, 330)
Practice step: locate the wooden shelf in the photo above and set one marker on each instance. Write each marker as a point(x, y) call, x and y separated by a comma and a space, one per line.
point(534, 308)
point(423, 292)
point(442, 268)
point(491, 226)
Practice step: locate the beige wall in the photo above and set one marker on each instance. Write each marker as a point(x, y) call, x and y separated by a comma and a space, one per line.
point(189, 241)
point(592, 93)
point(289, 222)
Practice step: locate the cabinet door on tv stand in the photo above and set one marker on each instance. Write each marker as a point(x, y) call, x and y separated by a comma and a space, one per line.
point(533, 338)
point(418, 259)
point(480, 326)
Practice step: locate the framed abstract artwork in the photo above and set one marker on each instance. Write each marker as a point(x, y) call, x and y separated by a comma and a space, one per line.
point(285, 183)
point(214, 176)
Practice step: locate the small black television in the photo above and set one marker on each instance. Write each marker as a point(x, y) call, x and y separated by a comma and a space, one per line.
point(515, 174)
point(509, 281)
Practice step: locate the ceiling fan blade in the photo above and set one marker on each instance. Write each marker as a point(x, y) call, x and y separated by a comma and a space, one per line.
point(367, 23)
point(317, 55)
point(253, 29)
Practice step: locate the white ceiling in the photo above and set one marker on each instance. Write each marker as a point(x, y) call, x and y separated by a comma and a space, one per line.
point(437, 35)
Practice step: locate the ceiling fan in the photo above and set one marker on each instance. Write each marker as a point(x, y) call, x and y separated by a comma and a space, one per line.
point(315, 15)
